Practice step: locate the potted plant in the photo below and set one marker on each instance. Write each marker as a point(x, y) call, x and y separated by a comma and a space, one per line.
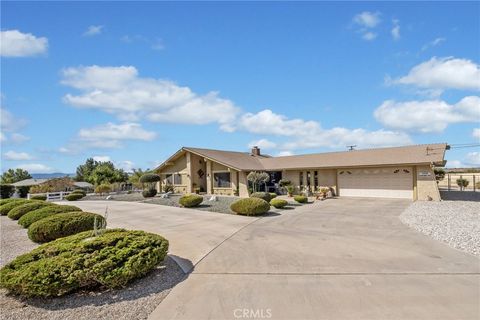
point(324, 191)
point(290, 190)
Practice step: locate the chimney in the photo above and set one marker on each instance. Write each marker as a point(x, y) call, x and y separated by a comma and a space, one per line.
point(255, 151)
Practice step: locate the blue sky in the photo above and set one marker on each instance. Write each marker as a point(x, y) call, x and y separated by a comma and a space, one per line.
point(133, 82)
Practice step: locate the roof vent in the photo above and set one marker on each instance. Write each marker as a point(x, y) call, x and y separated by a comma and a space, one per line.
point(255, 151)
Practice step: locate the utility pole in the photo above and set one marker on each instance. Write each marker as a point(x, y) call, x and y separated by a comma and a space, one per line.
point(351, 148)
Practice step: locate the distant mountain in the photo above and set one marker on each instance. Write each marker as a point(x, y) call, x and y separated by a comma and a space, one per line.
point(51, 175)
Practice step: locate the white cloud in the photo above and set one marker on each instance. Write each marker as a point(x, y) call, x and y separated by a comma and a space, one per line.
point(476, 133)
point(433, 43)
point(263, 144)
point(396, 29)
point(17, 156)
point(427, 116)
point(101, 158)
point(367, 19)
point(107, 136)
point(120, 91)
point(8, 124)
point(455, 164)
point(17, 44)
point(309, 134)
point(369, 36)
point(18, 138)
point(443, 73)
point(93, 31)
point(36, 168)
point(126, 165)
point(284, 153)
point(3, 138)
point(473, 159)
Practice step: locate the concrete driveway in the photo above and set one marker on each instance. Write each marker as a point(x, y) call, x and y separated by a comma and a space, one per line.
point(338, 259)
point(192, 233)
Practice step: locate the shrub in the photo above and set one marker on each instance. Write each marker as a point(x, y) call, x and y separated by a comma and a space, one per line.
point(6, 190)
point(80, 191)
point(149, 193)
point(33, 216)
point(300, 199)
point(284, 182)
point(191, 200)
point(9, 200)
point(74, 196)
point(290, 190)
point(103, 188)
point(462, 183)
point(250, 206)
point(149, 178)
point(278, 203)
point(62, 225)
point(273, 195)
point(262, 195)
point(39, 197)
point(23, 191)
point(81, 261)
point(13, 203)
point(25, 208)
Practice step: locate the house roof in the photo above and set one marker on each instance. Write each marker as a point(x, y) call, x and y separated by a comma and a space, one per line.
point(415, 154)
point(82, 184)
point(29, 182)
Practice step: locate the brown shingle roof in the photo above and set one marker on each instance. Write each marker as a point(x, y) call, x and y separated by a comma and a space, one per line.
point(416, 154)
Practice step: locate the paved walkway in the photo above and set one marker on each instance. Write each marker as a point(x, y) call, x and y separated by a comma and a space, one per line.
point(192, 233)
point(337, 259)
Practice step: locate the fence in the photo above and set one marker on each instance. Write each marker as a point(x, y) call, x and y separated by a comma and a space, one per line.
point(449, 183)
point(52, 196)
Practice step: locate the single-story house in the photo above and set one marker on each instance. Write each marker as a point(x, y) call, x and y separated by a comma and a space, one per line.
point(396, 172)
point(36, 182)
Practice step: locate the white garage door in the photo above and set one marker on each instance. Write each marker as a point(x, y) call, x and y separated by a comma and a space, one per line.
point(394, 182)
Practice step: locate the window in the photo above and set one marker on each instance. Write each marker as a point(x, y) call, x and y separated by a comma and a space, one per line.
point(221, 180)
point(301, 178)
point(168, 179)
point(177, 179)
point(315, 179)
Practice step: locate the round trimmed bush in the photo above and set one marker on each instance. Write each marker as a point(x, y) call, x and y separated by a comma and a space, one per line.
point(39, 197)
point(17, 212)
point(82, 261)
point(250, 206)
point(300, 199)
point(33, 216)
point(149, 193)
point(262, 195)
point(273, 195)
point(278, 203)
point(149, 178)
point(9, 205)
point(190, 200)
point(62, 225)
point(79, 191)
point(74, 196)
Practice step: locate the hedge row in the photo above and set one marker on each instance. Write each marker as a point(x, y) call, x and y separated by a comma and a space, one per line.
point(35, 215)
point(17, 212)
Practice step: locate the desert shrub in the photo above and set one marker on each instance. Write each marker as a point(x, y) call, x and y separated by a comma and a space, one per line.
point(62, 225)
point(25, 208)
point(39, 197)
point(168, 188)
point(278, 203)
point(23, 191)
point(300, 199)
point(462, 183)
point(290, 190)
point(149, 178)
point(6, 191)
point(13, 203)
point(262, 195)
point(149, 193)
point(273, 195)
point(284, 182)
point(74, 196)
point(81, 261)
point(250, 206)
point(79, 191)
point(33, 216)
point(103, 188)
point(190, 200)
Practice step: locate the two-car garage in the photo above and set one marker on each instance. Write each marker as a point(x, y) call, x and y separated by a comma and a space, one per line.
point(386, 182)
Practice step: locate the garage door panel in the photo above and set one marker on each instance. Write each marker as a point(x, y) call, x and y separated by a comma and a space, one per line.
point(376, 182)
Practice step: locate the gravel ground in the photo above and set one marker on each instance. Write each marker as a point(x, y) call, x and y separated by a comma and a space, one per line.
point(456, 223)
point(134, 302)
